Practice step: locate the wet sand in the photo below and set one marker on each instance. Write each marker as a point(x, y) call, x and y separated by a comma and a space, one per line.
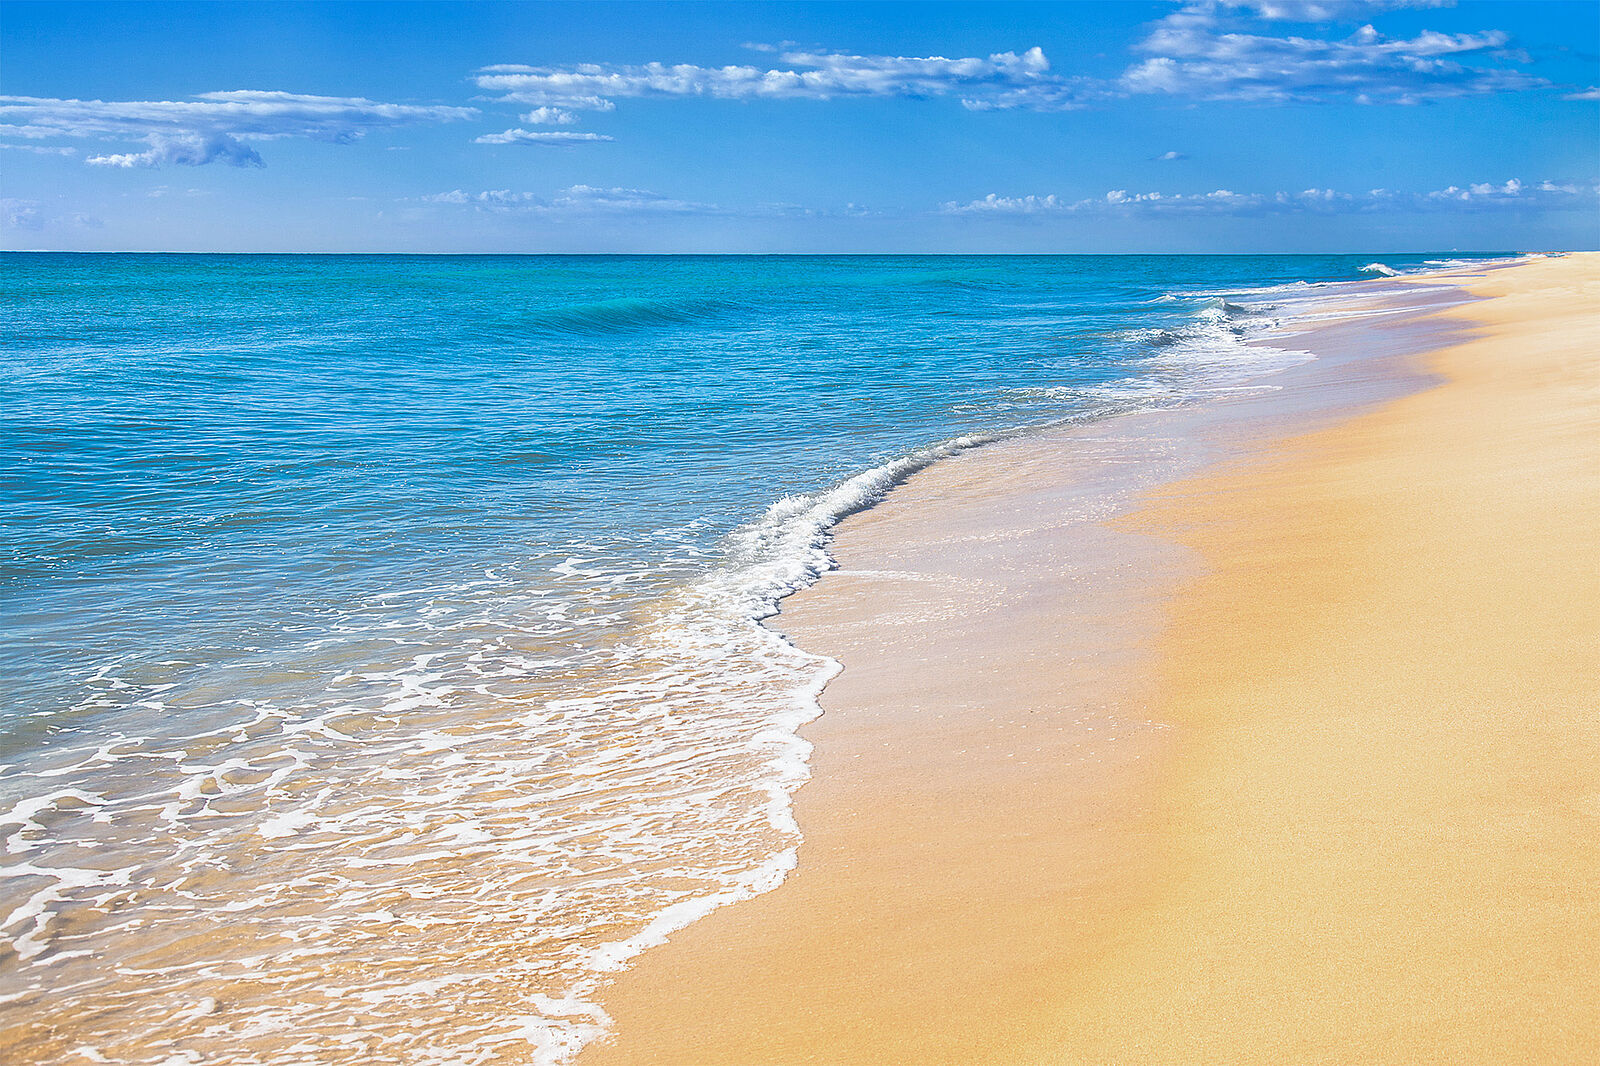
point(1261, 732)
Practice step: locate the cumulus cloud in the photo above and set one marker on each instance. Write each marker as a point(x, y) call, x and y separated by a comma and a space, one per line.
point(549, 116)
point(1209, 50)
point(1195, 53)
point(210, 127)
point(1233, 50)
point(1512, 193)
point(995, 204)
point(1001, 80)
point(1546, 195)
point(190, 150)
point(1591, 93)
point(547, 138)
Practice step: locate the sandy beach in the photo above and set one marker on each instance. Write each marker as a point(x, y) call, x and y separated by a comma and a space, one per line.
point(800, 534)
point(1261, 733)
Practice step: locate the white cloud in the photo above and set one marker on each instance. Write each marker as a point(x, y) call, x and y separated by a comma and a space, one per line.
point(192, 150)
point(1591, 93)
point(1192, 55)
point(1001, 80)
point(574, 200)
point(495, 197)
point(1474, 196)
point(996, 204)
point(1207, 50)
point(1328, 10)
point(32, 133)
point(38, 149)
point(1114, 200)
point(549, 116)
point(210, 127)
point(1170, 157)
point(596, 198)
point(1512, 193)
point(598, 201)
point(547, 138)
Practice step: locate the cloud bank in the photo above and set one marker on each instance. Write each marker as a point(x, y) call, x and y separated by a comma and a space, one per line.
point(1544, 195)
point(1209, 51)
point(1004, 79)
point(575, 200)
point(1324, 10)
point(588, 202)
point(1198, 53)
point(210, 127)
point(548, 138)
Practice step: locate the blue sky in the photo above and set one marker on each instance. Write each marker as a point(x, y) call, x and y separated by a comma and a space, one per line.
point(1277, 125)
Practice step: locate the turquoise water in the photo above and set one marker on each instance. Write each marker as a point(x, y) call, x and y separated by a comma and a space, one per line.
point(402, 609)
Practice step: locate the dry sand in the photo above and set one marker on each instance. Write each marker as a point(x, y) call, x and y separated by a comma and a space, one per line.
point(1297, 762)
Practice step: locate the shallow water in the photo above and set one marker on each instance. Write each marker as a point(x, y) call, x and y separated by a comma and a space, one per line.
point(380, 661)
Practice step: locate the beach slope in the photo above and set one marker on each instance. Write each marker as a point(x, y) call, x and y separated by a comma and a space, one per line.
point(1297, 760)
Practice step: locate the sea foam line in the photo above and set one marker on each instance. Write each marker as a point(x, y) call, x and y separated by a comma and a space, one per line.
point(786, 550)
point(708, 647)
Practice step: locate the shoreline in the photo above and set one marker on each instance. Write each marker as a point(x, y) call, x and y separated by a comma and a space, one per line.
point(1380, 827)
point(882, 946)
point(524, 831)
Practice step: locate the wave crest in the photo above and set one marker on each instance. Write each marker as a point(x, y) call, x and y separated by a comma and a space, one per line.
point(625, 314)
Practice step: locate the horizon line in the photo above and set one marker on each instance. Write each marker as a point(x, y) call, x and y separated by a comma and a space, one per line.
point(1361, 251)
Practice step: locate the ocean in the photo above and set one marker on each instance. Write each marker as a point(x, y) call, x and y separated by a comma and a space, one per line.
point(381, 655)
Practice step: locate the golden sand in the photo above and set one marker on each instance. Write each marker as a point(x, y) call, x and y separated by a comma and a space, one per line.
point(1321, 785)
